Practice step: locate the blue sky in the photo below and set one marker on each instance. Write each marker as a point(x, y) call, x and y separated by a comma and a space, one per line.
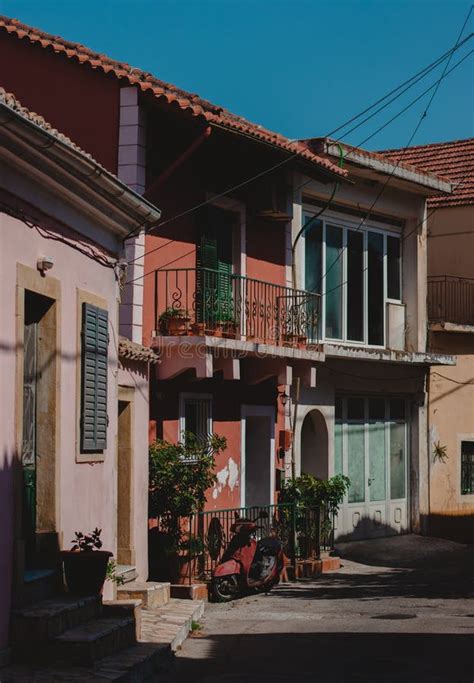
point(300, 67)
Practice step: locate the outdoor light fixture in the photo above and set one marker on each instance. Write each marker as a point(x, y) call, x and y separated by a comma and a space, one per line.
point(44, 263)
point(283, 396)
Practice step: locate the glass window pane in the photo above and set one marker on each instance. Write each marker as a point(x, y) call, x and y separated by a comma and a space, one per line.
point(355, 408)
point(338, 408)
point(397, 409)
point(356, 462)
point(338, 448)
point(467, 467)
point(376, 409)
point(333, 276)
point(355, 285)
point(397, 460)
point(196, 417)
point(375, 288)
point(393, 268)
point(377, 460)
point(313, 250)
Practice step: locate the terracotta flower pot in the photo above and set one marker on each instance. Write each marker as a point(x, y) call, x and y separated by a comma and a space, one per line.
point(85, 571)
point(176, 326)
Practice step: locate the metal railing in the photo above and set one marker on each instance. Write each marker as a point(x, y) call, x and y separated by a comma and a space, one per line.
point(208, 301)
point(451, 299)
point(304, 532)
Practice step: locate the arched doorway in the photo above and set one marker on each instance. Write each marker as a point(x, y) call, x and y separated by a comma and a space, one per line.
point(314, 445)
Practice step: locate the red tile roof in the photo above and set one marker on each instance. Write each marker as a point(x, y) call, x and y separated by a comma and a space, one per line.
point(453, 160)
point(191, 103)
point(12, 103)
point(321, 144)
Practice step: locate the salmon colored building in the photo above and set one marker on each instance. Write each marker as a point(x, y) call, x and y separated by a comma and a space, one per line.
point(451, 330)
point(276, 264)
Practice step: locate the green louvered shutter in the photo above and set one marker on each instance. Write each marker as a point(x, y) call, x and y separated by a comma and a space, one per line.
point(206, 281)
point(95, 338)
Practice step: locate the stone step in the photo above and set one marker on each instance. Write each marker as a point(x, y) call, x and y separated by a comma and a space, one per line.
point(96, 639)
point(124, 608)
point(171, 623)
point(152, 593)
point(43, 620)
point(39, 584)
point(136, 664)
point(126, 572)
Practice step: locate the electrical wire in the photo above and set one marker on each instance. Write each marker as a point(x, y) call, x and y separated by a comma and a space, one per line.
point(85, 249)
point(424, 71)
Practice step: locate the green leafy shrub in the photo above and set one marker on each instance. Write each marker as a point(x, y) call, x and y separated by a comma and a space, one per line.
point(180, 475)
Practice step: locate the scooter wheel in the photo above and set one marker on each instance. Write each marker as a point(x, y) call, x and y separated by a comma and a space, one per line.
point(224, 588)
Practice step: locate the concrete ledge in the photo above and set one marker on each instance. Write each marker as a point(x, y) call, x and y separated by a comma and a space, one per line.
point(195, 591)
point(307, 569)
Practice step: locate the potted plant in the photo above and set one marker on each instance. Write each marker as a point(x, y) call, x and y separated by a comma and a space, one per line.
point(225, 326)
point(316, 502)
point(85, 565)
point(191, 548)
point(180, 475)
point(173, 322)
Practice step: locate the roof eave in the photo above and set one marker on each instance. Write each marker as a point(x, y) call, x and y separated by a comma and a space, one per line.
point(431, 182)
point(140, 212)
point(327, 173)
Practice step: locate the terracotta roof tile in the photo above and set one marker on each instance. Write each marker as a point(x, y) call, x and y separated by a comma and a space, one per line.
point(133, 351)
point(454, 160)
point(192, 103)
point(319, 145)
point(12, 103)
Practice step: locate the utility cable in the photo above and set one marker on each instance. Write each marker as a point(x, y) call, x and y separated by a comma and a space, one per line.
point(293, 156)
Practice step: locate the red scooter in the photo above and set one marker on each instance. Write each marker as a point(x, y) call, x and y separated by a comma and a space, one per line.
point(247, 564)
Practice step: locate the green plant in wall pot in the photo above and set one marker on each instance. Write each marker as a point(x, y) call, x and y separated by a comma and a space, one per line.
point(440, 453)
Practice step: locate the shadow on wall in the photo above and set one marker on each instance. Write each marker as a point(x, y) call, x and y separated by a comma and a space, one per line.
point(8, 472)
point(458, 528)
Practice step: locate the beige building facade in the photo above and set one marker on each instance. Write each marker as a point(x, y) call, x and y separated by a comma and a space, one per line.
point(450, 239)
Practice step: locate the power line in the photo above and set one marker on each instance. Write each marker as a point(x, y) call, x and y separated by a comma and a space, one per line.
point(450, 379)
point(424, 71)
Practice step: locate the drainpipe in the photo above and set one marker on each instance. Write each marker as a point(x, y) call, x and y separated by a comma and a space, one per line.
point(178, 162)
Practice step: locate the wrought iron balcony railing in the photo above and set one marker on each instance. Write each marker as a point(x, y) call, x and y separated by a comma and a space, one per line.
point(451, 299)
point(198, 301)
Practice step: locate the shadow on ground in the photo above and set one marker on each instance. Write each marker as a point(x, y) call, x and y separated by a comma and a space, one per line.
point(335, 657)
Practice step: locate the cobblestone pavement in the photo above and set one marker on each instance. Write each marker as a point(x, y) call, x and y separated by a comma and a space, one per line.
point(362, 623)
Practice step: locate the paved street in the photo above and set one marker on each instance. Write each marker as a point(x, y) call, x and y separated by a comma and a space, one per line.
point(363, 623)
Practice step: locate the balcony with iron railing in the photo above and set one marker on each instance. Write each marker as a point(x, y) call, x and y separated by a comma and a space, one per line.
point(207, 302)
point(450, 300)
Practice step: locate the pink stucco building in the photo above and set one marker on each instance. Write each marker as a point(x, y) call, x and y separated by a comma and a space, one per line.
point(74, 393)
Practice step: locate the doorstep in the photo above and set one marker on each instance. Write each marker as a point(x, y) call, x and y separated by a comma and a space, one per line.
point(170, 625)
point(194, 591)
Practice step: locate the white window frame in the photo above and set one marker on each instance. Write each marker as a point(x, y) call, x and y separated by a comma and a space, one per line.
point(464, 497)
point(186, 396)
point(346, 223)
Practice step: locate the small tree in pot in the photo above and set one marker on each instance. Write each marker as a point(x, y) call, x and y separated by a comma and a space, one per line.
point(180, 475)
point(85, 565)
